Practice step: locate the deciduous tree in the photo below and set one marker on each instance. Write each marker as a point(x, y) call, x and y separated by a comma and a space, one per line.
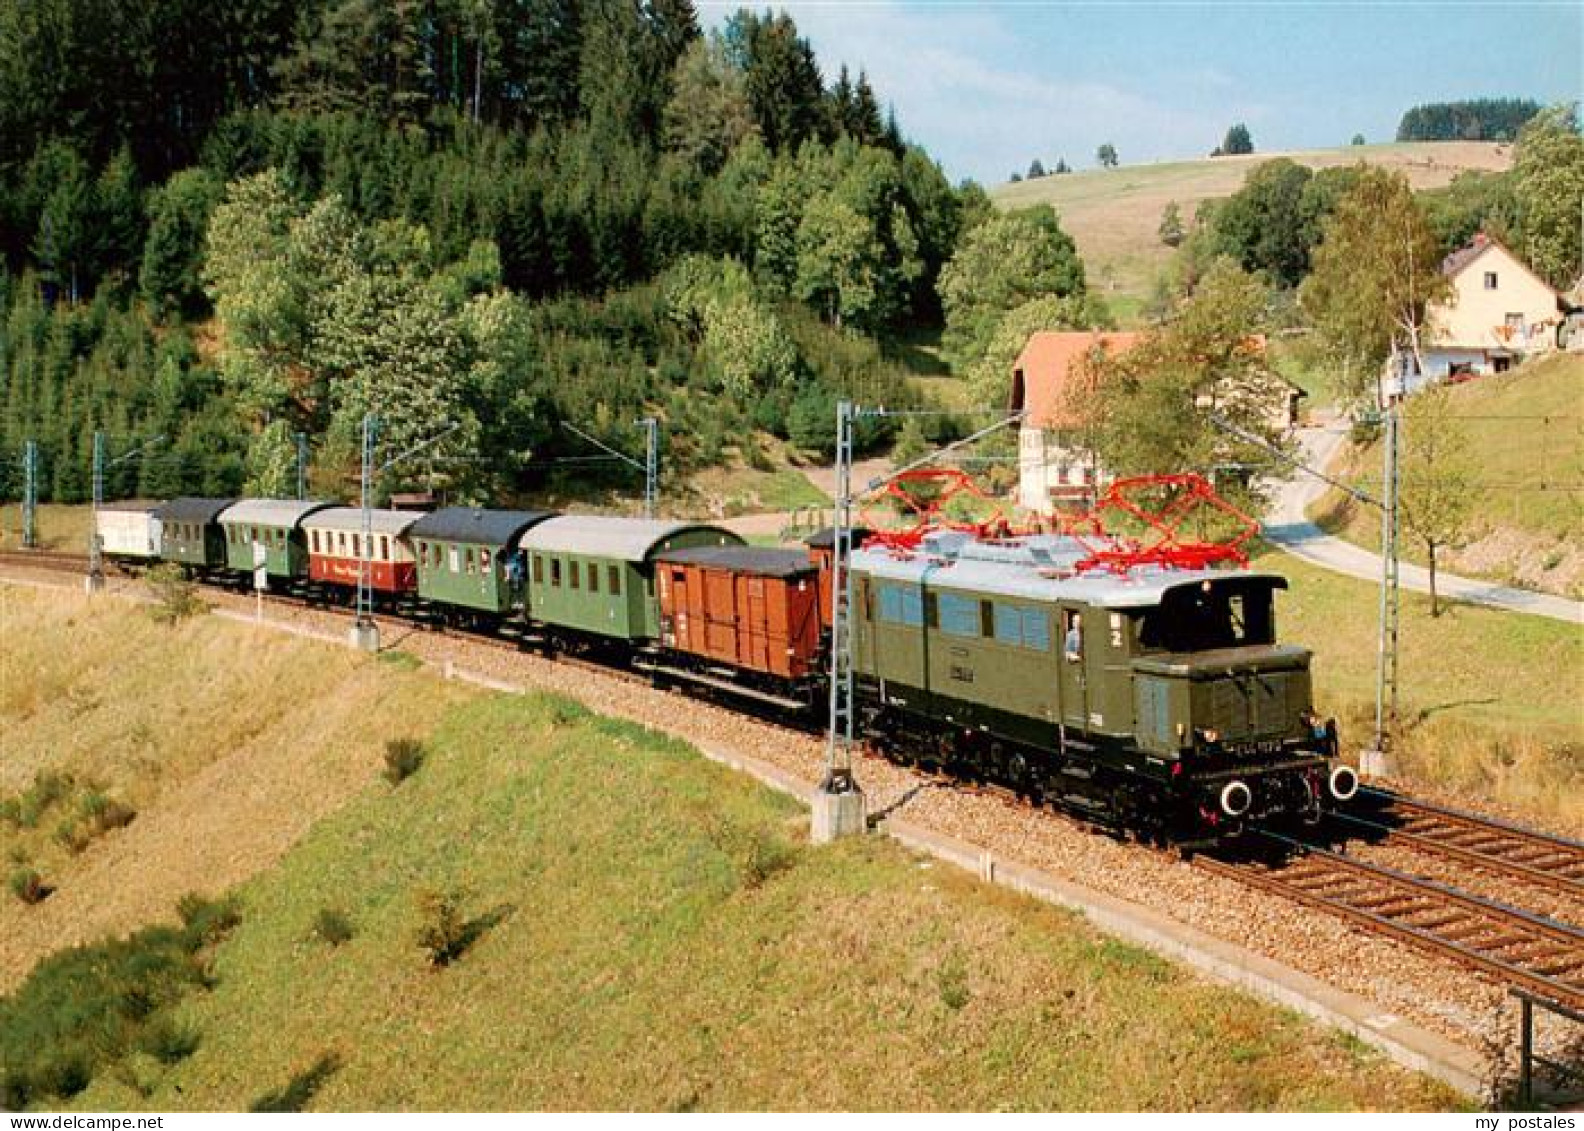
point(1436, 488)
point(1548, 182)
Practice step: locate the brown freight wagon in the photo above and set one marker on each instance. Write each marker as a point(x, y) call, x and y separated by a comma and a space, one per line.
point(751, 607)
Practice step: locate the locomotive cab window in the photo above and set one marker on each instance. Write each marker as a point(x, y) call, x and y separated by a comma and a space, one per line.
point(1210, 615)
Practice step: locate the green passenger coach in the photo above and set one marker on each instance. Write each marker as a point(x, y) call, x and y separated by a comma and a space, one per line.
point(190, 532)
point(275, 524)
point(468, 557)
point(595, 575)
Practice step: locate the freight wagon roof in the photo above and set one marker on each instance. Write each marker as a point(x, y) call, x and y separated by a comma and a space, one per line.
point(1038, 569)
point(193, 509)
point(601, 536)
point(476, 525)
point(270, 512)
point(761, 561)
point(381, 521)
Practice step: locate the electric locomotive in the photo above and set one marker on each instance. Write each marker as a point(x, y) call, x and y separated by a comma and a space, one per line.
point(1157, 698)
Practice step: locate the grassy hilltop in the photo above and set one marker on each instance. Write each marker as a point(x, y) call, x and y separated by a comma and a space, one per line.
point(627, 925)
point(1114, 214)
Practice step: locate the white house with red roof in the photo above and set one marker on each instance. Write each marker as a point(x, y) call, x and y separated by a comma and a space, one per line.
point(1499, 312)
point(1047, 378)
point(1050, 380)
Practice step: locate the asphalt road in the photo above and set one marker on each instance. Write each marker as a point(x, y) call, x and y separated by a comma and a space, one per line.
point(1288, 528)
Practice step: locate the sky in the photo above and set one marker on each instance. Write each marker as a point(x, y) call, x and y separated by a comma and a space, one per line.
point(988, 86)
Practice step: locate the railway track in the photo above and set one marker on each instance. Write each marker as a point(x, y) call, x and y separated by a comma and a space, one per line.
point(1543, 859)
point(51, 560)
point(1517, 947)
point(1513, 946)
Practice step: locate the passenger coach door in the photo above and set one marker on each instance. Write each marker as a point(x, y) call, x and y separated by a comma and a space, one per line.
point(1072, 654)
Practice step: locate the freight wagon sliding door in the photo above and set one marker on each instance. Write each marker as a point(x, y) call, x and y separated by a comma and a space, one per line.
point(720, 615)
point(754, 647)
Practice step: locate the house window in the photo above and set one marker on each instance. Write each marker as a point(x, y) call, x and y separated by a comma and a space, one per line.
point(1514, 324)
point(1490, 280)
point(613, 580)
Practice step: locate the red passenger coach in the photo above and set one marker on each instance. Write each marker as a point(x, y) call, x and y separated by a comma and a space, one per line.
point(753, 608)
point(335, 548)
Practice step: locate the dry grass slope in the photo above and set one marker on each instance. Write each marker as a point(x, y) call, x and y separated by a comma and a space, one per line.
point(654, 934)
point(1114, 214)
point(228, 741)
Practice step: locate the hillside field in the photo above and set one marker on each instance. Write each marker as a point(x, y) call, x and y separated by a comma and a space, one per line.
point(637, 928)
point(1526, 428)
point(1114, 214)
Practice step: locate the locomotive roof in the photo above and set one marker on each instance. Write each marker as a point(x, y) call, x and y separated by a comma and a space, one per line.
point(271, 512)
point(476, 525)
point(1036, 569)
point(602, 536)
point(381, 520)
point(762, 561)
point(193, 509)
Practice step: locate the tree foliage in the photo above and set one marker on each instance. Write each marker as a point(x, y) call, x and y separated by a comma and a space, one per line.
point(1001, 264)
point(1478, 119)
point(1238, 141)
point(1376, 272)
point(1150, 409)
point(1548, 186)
point(1106, 155)
point(1436, 491)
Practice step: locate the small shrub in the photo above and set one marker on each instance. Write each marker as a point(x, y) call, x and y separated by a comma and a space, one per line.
point(207, 921)
point(301, 1088)
point(175, 596)
point(169, 1042)
point(952, 982)
point(72, 836)
point(403, 756)
point(332, 927)
point(49, 787)
point(104, 813)
point(443, 932)
point(28, 886)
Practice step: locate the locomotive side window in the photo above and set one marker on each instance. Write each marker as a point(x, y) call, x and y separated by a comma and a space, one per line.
point(959, 616)
point(901, 606)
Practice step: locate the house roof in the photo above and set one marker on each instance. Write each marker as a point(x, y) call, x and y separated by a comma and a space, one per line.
point(1464, 257)
point(600, 536)
point(1046, 369)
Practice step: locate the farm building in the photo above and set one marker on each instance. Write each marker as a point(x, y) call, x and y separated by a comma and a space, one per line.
point(1499, 313)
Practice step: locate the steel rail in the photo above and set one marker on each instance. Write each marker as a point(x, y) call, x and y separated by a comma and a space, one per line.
point(1541, 877)
point(1512, 927)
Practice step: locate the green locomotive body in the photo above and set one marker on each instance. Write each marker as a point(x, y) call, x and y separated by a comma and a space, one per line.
point(1159, 695)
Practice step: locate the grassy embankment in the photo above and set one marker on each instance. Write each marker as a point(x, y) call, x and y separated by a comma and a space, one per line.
point(1490, 701)
point(1114, 214)
point(638, 928)
point(1526, 430)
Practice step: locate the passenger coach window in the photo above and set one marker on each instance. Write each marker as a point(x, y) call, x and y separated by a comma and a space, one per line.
point(538, 568)
point(593, 577)
point(572, 575)
point(613, 577)
point(555, 572)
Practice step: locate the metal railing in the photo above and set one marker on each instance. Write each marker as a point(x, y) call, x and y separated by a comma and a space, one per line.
point(1529, 1059)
